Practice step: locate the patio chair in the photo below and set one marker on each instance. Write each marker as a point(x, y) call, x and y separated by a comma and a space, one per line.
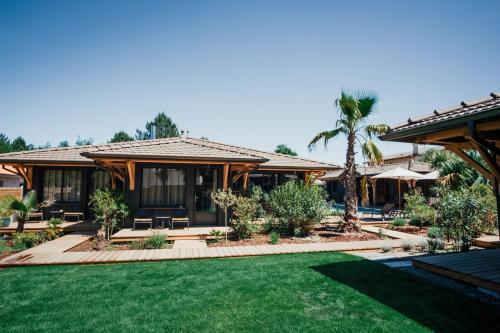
point(76, 214)
point(36, 215)
point(179, 216)
point(387, 209)
point(143, 220)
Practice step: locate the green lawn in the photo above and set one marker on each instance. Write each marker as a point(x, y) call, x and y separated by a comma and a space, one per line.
point(286, 293)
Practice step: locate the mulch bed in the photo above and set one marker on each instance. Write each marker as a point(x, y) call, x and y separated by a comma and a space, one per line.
point(319, 235)
point(88, 246)
point(410, 229)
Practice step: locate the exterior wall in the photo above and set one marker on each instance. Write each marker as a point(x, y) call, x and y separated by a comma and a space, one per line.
point(134, 197)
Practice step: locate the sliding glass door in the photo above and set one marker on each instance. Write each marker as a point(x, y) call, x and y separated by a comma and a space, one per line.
point(205, 183)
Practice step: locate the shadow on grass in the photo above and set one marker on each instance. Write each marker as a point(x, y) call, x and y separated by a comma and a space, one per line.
point(437, 308)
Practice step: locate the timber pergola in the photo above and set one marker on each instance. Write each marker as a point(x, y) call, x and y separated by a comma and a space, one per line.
point(470, 126)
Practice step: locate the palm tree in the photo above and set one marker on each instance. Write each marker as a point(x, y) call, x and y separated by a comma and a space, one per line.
point(355, 109)
point(23, 208)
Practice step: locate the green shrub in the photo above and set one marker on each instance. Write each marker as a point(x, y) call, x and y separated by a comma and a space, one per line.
point(298, 206)
point(55, 222)
point(463, 215)
point(274, 237)
point(435, 232)
point(28, 239)
point(419, 212)
point(216, 235)
point(435, 244)
point(137, 245)
point(155, 241)
point(398, 222)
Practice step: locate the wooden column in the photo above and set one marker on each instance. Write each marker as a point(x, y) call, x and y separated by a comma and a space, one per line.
point(373, 182)
point(225, 175)
point(245, 180)
point(131, 175)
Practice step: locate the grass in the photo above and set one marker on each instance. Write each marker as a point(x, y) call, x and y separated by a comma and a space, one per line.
point(315, 292)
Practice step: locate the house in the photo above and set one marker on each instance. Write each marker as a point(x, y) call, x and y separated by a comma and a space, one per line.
point(158, 177)
point(382, 190)
point(9, 179)
point(469, 125)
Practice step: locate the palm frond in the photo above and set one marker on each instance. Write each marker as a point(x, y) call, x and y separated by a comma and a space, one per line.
point(371, 152)
point(366, 102)
point(326, 136)
point(30, 200)
point(348, 106)
point(375, 130)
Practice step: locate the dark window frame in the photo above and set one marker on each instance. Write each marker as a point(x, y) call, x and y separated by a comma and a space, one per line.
point(61, 194)
point(141, 199)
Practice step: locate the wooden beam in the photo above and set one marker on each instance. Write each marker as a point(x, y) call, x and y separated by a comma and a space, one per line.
point(225, 174)
point(131, 175)
point(245, 180)
point(458, 132)
point(113, 182)
point(478, 167)
point(495, 169)
point(373, 182)
point(236, 177)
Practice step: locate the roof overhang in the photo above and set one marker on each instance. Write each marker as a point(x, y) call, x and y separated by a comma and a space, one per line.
point(148, 158)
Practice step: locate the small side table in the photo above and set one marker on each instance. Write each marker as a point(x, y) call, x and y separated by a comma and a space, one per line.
point(163, 219)
point(57, 213)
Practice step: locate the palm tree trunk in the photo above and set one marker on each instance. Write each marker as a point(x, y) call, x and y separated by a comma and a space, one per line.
point(351, 197)
point(20, 225)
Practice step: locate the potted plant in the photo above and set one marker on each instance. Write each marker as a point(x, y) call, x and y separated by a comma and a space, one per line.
point(5, 218)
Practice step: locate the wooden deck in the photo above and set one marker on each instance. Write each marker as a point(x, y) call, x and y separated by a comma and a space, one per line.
point(41, 226)
point(488, 241)
point(127, 235)
point(478, 267)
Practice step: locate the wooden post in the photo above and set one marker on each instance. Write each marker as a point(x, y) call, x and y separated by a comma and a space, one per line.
point(245, 180)
point(225, 174)
point(131, 175)
point(373, 182)
point(399, 191)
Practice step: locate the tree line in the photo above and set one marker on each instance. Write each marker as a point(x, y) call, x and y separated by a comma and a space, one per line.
point(161, 126)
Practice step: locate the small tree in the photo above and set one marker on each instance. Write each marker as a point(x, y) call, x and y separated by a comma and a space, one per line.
point(463, 215)
point(164, 126)
point(109, 209)
point(22, 208)
point(225, 200)
point(284, 149)
point(121, 136)
point(297, 206)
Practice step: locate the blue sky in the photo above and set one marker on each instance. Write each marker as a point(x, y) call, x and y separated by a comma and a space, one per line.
point(252, 73)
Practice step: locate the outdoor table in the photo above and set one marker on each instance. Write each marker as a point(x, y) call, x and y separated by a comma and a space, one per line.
point(163, 219)
point(55, 213)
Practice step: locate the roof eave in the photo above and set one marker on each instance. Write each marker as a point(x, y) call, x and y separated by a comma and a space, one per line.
point(181, 158)
point(409, 135)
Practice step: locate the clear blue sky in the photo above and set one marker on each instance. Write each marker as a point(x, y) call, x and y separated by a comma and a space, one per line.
point(250, 73)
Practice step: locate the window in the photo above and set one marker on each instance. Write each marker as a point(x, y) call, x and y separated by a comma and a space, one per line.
point(99, 180)
point(62, 185)
point(1, 183)
point(163, 187)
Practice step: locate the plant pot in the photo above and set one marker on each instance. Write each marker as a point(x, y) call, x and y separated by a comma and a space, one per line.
point(5, 221)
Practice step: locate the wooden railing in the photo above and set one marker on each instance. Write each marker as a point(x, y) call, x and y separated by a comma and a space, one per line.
point(16, 192)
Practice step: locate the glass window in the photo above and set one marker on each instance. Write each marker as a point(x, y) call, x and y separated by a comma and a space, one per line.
point(99, 180)
point(62, 185)
point(163, 187)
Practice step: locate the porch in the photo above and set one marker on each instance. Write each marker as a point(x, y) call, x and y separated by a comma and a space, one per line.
point(480, 268)
point(44, 225)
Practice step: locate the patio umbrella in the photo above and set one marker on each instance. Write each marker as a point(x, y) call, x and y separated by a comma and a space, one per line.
point(431, 175)
point(399, 174)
